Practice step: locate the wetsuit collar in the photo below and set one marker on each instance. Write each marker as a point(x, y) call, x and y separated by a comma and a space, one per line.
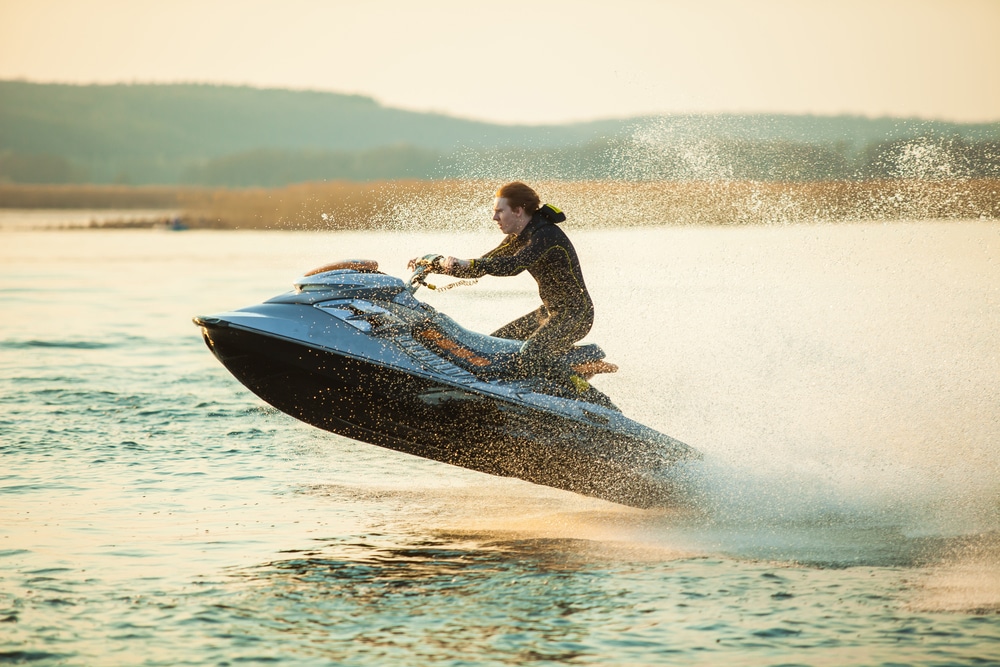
point(533, 224)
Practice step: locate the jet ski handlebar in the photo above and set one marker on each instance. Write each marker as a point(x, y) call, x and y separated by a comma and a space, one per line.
point(421, 267)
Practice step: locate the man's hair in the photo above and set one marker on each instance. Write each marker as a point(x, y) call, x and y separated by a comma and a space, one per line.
point(519, 195)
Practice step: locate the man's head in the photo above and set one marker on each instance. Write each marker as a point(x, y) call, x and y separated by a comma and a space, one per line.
point(513, 207)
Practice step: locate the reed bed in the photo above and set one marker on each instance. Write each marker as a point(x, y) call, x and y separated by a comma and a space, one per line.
point(467, 204)
point(77, 196)
point(458, 204)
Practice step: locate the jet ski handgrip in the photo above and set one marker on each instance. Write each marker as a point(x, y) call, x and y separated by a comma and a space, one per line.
point(427, 264)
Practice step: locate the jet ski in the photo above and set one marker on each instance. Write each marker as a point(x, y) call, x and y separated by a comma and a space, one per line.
point(351, 350)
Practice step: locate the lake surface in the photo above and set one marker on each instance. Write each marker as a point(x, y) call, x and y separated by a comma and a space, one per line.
point(841, 381)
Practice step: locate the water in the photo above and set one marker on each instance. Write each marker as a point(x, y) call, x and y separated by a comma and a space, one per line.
point(841, 381)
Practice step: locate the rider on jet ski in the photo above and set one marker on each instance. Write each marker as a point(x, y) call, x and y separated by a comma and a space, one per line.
point(534, 243)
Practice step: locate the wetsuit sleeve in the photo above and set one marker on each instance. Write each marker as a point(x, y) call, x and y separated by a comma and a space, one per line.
point(517, 260)
point(477, 268)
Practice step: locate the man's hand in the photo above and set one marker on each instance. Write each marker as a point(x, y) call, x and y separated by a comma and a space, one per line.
point(445, 265)
point(449, 264)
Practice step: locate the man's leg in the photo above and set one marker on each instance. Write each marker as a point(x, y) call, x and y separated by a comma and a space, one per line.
point(544, 351)
point(523, 327)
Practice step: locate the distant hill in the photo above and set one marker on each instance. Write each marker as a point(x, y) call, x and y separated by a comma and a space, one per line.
point(242, 136)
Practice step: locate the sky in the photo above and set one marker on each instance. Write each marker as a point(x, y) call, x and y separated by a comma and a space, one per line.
point(537, 61)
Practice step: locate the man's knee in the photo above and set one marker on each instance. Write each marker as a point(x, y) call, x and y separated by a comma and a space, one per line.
point(537, 357)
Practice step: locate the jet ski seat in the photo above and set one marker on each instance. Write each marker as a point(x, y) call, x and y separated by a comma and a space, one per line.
point(492, 357)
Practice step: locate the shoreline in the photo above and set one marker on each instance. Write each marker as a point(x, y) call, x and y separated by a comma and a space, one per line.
point(404, 205)
point(160, 225)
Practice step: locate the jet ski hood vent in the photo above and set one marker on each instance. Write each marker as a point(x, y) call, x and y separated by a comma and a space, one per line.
point(356, 282)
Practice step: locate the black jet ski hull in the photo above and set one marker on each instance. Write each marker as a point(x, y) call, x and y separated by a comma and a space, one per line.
point(432, 418)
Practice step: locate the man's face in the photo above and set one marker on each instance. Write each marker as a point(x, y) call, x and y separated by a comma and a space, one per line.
point(510, 221)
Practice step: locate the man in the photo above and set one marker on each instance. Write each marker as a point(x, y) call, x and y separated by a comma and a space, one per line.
point(534, 243)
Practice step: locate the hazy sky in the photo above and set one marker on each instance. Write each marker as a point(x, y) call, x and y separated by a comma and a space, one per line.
point(537, 60)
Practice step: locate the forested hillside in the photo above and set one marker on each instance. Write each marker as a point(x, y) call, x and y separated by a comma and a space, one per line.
point(241, 136)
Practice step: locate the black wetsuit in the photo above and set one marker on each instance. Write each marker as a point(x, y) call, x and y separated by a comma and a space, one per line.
point(567, 312)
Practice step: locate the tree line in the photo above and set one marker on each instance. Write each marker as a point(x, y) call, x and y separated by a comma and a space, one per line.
point(924, 157)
